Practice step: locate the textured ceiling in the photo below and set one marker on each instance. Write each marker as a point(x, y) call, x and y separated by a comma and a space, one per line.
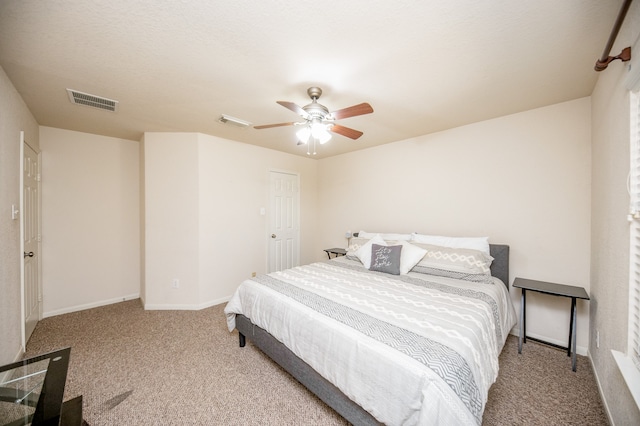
point(424, 66)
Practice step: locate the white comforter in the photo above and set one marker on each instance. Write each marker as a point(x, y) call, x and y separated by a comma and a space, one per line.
point(414, 349)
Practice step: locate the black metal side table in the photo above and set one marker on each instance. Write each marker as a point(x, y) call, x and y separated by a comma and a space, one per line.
point(555, 290)
point(335, 251)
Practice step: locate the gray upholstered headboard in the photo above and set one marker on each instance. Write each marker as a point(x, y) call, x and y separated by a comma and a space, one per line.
point(500, 264)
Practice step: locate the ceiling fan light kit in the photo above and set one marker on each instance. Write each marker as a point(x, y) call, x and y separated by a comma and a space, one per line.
point(321, 133)
point(303, 134)
point(319, 122)
point(316, 130)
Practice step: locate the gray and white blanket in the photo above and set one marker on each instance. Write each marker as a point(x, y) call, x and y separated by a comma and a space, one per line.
point(410, 349)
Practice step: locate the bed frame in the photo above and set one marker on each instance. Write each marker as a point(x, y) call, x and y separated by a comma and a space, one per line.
point(318, 385)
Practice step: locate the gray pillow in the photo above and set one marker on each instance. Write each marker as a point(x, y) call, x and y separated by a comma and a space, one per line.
point(385, 259)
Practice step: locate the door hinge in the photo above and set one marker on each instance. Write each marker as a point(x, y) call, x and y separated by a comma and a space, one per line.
point(38, 177)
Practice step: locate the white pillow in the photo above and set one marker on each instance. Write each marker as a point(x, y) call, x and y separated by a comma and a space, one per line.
point(474, 243)
point(410, 256)
point(386, 237)
point(364, 252)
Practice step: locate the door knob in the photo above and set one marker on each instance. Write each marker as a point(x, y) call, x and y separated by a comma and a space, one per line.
point(30, 254)
point(273, 235)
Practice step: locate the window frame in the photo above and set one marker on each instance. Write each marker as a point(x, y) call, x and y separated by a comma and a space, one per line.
point(629, 363)
point(633, 349)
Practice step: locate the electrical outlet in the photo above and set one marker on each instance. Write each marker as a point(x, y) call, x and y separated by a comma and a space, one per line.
point(175, 283)
point(597, 339)
point(253, 274)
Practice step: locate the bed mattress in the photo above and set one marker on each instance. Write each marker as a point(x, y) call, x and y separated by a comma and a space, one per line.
point(409, 349)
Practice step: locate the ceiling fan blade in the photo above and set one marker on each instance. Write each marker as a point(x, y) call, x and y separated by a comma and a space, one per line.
point(293, 107)
point(352, 111)
point(346, 131)
point(268, 126)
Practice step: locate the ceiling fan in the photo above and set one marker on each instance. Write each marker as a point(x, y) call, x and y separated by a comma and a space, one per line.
point(318, 121)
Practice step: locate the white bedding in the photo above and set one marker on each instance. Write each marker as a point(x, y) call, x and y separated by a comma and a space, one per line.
point(412, 349)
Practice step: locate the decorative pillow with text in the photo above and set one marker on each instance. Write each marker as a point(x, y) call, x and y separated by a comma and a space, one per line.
point(386, 259)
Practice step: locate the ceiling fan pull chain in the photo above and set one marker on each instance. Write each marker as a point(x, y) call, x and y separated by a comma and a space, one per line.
point(309, 147)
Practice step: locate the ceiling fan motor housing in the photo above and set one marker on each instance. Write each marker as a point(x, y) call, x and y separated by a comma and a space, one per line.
point(314, 109)
point(314, 92)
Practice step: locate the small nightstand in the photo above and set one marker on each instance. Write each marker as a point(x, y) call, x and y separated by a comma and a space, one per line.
point(336, 252)
point(554, 290)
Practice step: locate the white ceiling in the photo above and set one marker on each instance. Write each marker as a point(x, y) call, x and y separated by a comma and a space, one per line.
point(424, 66)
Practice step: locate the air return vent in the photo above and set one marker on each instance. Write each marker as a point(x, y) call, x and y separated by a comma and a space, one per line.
point(94, 101)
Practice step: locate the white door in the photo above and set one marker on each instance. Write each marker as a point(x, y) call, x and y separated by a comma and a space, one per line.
point(284, 230)
point(31, 240)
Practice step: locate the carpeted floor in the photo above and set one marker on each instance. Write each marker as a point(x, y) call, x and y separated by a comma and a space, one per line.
point(138, 367)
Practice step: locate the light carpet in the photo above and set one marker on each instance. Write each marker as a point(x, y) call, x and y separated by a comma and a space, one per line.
point(138, 367)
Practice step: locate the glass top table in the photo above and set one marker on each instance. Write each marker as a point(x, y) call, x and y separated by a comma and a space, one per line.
point(31, 391)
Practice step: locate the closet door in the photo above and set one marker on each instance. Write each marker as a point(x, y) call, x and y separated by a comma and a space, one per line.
point(284, 220)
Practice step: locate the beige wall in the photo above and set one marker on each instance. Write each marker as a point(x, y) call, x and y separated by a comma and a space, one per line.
point(522, 180)
point(14, 117)
point(171, 219)
point(610, 229)
point(90, 220)
point(234, 185)
point(202, 216)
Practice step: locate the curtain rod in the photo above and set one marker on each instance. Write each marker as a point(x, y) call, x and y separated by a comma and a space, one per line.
point(625, 55)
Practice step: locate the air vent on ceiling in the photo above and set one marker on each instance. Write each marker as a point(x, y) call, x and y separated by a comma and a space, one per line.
point(94, 101)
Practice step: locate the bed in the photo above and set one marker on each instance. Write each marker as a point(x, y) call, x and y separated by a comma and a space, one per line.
point(420, 347)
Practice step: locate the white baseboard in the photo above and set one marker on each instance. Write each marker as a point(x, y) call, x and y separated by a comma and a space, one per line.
point(185, 307)
point(6, 375)
point(148, 307)
point(18, 357)
point(580, 350)
point(89, 305)
point(214, 302)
